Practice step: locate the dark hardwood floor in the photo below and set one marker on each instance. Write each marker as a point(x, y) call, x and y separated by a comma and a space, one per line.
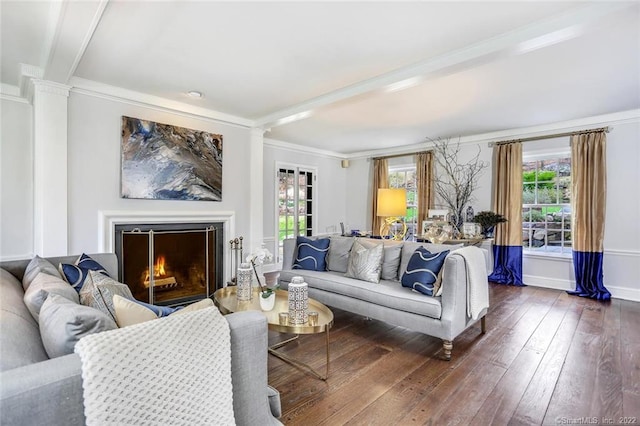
point(547, 358)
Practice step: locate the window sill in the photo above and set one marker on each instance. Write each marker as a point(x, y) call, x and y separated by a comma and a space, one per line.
point(561, 257)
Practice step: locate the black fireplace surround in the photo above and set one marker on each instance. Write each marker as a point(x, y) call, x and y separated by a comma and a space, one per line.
point(170, 263)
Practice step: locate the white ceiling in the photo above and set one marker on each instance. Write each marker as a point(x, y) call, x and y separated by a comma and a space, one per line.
point(466, 67)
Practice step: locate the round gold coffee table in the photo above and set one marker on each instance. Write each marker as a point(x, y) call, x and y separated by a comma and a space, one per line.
point(226, 300)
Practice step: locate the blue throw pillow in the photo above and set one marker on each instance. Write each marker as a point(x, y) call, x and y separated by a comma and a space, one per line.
point(423, 269)
point(312, 254)
point(77, 274)
point(160, 311)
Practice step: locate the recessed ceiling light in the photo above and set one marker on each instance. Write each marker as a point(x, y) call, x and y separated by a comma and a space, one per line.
point(194, 94)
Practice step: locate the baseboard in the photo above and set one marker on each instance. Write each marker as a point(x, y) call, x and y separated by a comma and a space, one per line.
point(546, 282)
point(624, 293)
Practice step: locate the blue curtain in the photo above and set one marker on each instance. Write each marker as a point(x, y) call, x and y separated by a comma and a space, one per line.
point(507, 265)
point(589, 277)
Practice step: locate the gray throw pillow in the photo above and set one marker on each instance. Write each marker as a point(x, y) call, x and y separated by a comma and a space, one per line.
point(391, 260)
point(63, 323)
point(40, 288)
point(36, 266)
point(98, 291)
point(338, 257)
point(365, 260)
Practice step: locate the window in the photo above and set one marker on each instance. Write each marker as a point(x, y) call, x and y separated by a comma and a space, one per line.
point(546, 204)
point(405, 177)
point(296, 193)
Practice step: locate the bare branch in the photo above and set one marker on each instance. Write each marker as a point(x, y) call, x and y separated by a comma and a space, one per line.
point(454, 182)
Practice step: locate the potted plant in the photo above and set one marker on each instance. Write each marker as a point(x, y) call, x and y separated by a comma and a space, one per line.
point(488, 220)
point(267, 294)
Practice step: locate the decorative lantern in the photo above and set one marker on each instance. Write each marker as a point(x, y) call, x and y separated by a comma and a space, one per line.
point(298, 301)
point(243, 291)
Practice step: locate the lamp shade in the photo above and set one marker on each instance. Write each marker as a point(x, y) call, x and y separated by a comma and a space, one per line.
point(392, 202)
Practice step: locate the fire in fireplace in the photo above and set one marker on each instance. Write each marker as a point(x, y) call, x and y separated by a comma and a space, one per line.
point(170, 264)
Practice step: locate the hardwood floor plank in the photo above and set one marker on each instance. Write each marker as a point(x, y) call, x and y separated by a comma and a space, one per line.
point(630, 366)
point(574, 390)
point(501, 403)
point(630, 321)
point(472, 381)
point(534, 402)
point(607, 397)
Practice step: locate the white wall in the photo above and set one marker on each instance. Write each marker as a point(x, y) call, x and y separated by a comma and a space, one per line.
point(332, 188)
point(16, 180)
point(94, 167)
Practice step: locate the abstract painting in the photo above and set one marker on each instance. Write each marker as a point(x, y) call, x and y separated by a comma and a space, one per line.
point(164, 162)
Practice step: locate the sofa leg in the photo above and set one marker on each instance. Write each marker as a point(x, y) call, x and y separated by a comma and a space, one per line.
point(447, 347)
point(483, 324)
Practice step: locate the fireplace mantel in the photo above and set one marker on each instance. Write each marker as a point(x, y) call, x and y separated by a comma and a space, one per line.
point(108, 219)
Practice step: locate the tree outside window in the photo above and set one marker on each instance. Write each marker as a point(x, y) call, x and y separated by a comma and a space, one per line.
point(546, 205)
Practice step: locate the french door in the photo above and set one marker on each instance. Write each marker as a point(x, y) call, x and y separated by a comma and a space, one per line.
point(295, 203)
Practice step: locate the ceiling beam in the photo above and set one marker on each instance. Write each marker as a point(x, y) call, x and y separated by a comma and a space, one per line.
point(538, 35)
point(71, 26)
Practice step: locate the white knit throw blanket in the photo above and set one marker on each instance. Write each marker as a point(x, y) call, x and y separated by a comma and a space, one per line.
point(477, 283)
point(170, 371)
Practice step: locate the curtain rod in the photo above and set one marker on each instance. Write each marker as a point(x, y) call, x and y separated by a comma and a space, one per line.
point(399, 155)
point(555, 135)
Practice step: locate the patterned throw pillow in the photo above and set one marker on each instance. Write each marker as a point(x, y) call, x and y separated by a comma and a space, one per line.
point(422, 271)
point(98, 292)
point(312, 254)
point(365, 261)
point(77, 273)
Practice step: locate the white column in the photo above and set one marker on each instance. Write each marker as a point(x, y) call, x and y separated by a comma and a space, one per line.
point(256, 189)
point(50, 168)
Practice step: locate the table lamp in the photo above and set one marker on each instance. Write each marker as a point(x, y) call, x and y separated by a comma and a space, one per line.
point(392, 205)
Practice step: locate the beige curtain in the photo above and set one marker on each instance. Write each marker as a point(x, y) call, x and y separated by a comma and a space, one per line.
point(424, 177)
point(507, 197)
point(380, 180)
point(507, 201)
point(588, 190)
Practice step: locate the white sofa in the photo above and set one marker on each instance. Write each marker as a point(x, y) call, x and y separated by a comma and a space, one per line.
point(444, 316)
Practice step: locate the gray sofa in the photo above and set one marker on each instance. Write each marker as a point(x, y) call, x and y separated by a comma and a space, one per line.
point(36, 390)
point(444, 316)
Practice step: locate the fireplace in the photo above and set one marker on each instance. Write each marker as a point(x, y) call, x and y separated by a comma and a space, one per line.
point(170, 263)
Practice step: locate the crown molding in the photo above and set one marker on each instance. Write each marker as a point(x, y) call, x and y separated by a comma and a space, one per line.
point(118, 94)
point(617, 118)
point(288, 146)
point(45, 86)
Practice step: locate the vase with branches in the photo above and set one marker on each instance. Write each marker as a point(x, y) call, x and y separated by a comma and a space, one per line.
point(455, 181)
